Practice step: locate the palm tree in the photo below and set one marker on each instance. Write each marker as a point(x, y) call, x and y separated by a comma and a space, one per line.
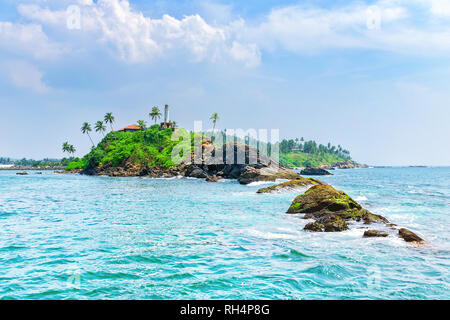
point(99, 127)
point(66, 147)
point(86, 128)
point(109, 118)
point(214, 119)
point(142, 124)
point(155, 114)
point(72, 150)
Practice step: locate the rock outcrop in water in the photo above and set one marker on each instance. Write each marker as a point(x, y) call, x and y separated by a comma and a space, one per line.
point(315, 172)
point(375, 234)
point(246, 164)
point(322, 202)
point(332, 210)
point(409, 236)
point(296, 183)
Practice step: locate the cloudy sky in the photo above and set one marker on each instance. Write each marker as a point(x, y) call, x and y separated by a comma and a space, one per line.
point(372, 76)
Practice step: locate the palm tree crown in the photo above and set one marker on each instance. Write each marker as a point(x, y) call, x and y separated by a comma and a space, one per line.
point(65, 147)
point(100, 127)
point(86, 128)
point(155, 114)
point(142, 124)
point(109, 118)
point(72, 149)
point(214, 117)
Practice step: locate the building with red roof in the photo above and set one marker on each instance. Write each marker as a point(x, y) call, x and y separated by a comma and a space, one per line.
point(131, 128)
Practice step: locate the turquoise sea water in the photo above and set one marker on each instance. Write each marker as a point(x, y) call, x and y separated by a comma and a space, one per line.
point(78, 237)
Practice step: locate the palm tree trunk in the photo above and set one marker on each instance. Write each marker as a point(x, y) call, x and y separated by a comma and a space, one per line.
point(91, 140)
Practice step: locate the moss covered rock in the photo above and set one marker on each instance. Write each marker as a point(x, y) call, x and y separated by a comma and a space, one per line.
point(323, 199)
point(292, 184)
point(333, 223)
point(331, 208)
point(315, 227)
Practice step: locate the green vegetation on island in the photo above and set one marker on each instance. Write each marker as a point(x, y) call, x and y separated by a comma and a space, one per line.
point(140, 145)
point(135, 145)
point(146, 147)
point(301, 153)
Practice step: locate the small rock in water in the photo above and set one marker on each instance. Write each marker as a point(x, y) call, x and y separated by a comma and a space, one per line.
point(375, 233)
point(315, 172)
point(409, 236)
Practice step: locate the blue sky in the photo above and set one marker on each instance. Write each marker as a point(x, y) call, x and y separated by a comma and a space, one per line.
point(372, 76)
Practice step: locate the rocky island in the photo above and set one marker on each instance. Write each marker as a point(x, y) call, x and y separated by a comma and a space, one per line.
point(149, 153)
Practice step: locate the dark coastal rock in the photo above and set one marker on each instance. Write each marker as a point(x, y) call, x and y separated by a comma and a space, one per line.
point(331, 208)
point(315, 172)
point(247, 165)
point(374, 218)
point(314, 227)
point(374, 234)
point(212, 178)
point(409, 236)
point(292, 184)
point(333, 223)
point(22, 173)
point(198, 173)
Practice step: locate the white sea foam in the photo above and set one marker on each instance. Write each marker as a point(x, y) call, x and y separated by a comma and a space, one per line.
point(361, 198)
point(272, 235)
point(258, 183)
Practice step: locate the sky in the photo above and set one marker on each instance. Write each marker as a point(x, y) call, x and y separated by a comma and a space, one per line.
point(372, 76)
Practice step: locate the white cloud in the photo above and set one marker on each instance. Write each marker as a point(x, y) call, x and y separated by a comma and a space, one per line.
point(27, 39)
point(440, 7)
point(249, 54)
point(24, 75)
point(136, 38)
point(308, 30)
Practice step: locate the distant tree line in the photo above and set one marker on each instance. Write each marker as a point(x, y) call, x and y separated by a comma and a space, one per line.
point(6, 160)
point(47, 162)
point(311, 147)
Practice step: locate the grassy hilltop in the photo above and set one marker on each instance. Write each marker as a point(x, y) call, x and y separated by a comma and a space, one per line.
point(144, 148)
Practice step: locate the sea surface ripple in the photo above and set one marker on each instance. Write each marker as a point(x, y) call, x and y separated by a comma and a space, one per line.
point(79, 237)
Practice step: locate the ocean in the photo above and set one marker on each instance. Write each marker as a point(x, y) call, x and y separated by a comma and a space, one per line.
point(80, 237)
